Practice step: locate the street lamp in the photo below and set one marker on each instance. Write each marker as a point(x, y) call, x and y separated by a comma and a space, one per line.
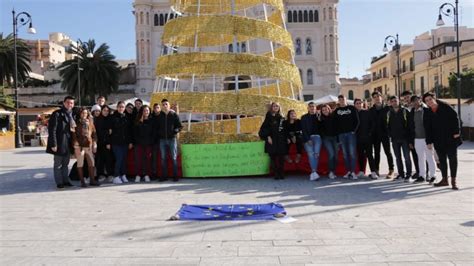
point(79, 69)
point(393, 41)
point(25, 18)
point(447, 10)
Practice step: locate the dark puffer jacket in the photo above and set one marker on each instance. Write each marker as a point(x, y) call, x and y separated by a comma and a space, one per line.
point(274, 126)
point(121, 131)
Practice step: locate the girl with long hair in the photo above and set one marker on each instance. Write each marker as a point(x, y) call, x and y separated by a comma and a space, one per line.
point(143, 140)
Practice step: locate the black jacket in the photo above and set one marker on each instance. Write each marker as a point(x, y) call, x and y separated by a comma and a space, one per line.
point(168, 125)
point(294, 130)
point(309, 126)
point(379, 121)
point(398, 124)
point(440, 126)
point(143, 133)
point(121, 129)
point(327, 126)
point(59, 133)
point(274, 127)
point(346, 119)
point(365, 125)
point(102, 125)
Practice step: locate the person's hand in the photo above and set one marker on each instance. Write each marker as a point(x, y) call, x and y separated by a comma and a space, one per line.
point(289, 141)
point(293, 139)
point(456, 136)
point(270, 140)
point(130, 146)
point(411, 146)
point(107, 146)
point(54, 149)
point(429, 146)
point(310, 142)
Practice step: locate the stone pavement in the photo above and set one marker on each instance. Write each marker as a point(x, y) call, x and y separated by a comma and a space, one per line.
point(339, 222)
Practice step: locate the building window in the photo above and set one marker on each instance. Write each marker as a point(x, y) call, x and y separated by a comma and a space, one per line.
point(166, 18)
point(295, 16)
point(311, 16)
point(309, 77)
point(412, 64)
point(330, 13)
point(300, 16)
point(244, 48)
point(404, 66)
point(316, 16)
point(325, 48)
point(156, 21)
point(230, 49)
point(147, 18)
point(305, 16)
point(141, 18)
point(298, 46)
point(404, 85)
point(335, 13)
point(384, 72)
point(301, 75)
point(422, 85)
point(162, 20)
point(351, 95)
point(412, 85)
point(289, 17)
point(308, 97)
point(367, 94)
point(331, 47)
point(171, 16)
point(309, 49)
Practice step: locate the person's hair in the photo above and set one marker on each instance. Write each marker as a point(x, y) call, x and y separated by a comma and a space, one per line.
point(414, 98)
point(393, 97)
point(341, 96)
point(405, 93)
point(326, 106)
point(101, 97)
point(138, 100)
point(128, 104)
point(139, 118)
point(69, 97)
point(357, 100)
point(376, 93)
point(288, 114)
point(429, 94)
point(310, 103)
point(155, 105)
point(279, 108)
point(164, 100)
point(82, 109)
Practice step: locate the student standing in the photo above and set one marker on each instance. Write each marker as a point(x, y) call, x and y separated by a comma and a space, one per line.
point(273, 132)
point(104, 156)
point(121, 142)
point(347, 121)
point(442, 132)
point(406, 102)
point(329, 138)
point(156, 140)
point(312, 139)
point(84, 139)
point(143, 143)
point(295, 135)
point(364, 146)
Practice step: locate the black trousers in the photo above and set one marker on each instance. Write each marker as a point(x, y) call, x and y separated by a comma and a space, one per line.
point(444, 153)
point(364, 152)
point(104, 161)
point(415, 161)
point(386, 148)
point(277, 163)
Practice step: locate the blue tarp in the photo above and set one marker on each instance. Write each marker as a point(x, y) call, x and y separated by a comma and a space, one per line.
point(230, 212)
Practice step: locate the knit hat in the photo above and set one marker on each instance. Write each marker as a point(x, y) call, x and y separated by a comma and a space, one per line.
point(96, 108)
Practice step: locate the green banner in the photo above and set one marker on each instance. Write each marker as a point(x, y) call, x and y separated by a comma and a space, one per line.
point(232, 159)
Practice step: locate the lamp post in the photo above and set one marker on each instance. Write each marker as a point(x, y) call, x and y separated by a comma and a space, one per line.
point(25, 18)
point(394, 41)
point(80, 46)
point(447, 10)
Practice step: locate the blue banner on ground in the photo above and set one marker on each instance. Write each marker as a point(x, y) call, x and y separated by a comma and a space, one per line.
point(230, 212)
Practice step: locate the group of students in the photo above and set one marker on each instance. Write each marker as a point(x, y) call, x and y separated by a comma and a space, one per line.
point(102, 137)
point(422, 125)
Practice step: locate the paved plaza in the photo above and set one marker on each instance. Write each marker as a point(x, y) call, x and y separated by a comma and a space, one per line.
point(339, 222)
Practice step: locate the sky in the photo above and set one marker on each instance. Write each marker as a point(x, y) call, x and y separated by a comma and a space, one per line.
point(363, 24)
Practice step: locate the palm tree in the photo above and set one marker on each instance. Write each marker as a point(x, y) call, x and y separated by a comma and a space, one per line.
point(99, 74)
point(7, 59)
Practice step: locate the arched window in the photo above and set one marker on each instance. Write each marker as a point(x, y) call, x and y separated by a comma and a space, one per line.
point(325, 48)
point(367, 94)
point(309, 49)
point(331, 47)
point(309, 76)
point(324, 14)
point(142, 52)
point(171, 16)
point(298, 46)
point(335, 13)
point(148, 52)
point(316, 16)
point(311, 17)
point(141, 18)
point(162, 20)
point(301, 75)
point(330, 13)
point(300, 16)
point(351, 95)
point(295, 16)
point(290, 17)
point(156, 20)
point(166, 18)
point(230, 48)
point(305, 16)
point(147, 18)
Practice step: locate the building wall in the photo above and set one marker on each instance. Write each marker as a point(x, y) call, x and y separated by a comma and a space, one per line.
point(323, 61)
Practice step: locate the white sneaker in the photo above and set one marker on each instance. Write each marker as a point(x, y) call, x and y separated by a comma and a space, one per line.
point(124, 179)
point(110, 179)
point(87, 180)
point(311, 176)
point(117, 180)
point(137, 179)
point(374, 175)
point(347, 175)
point(353, 176)
point(316, 176)
point(360, 174)
point(332, 175)
point(101, 178)
point(147, 179)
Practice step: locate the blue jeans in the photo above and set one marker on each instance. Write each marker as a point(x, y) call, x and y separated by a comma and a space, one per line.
point(330, 143)
point(172, 145)
point(403, 146)
point(120, 154)
point(348, 142)
point(313, 151)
